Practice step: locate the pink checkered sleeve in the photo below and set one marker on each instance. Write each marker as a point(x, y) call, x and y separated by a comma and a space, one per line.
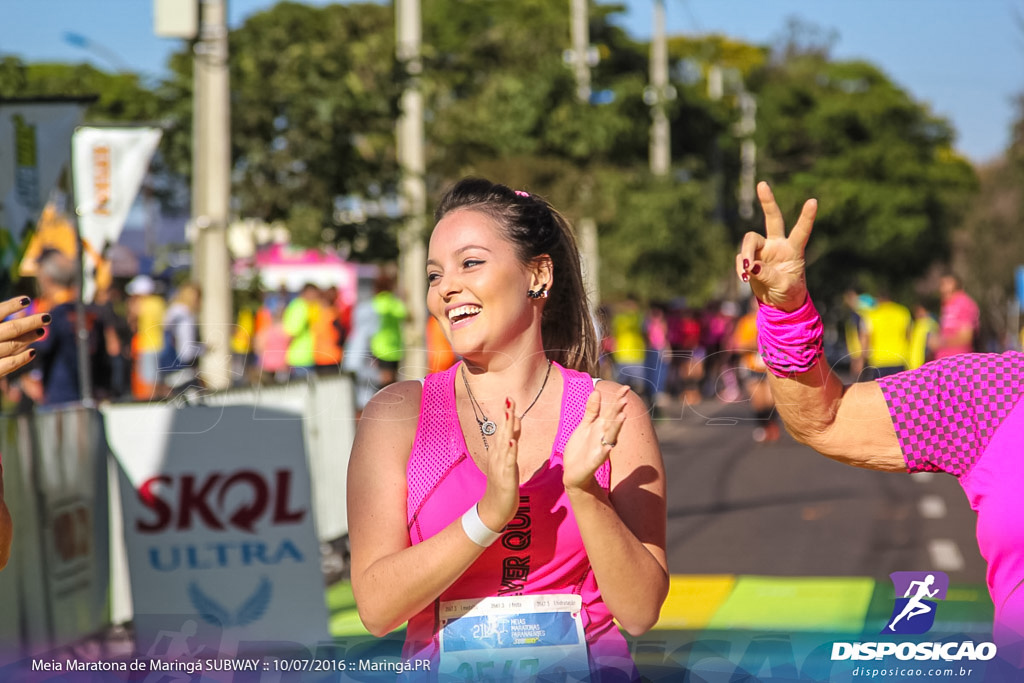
point(946, 412)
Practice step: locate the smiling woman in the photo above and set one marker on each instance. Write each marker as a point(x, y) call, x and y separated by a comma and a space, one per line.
point(509, 538)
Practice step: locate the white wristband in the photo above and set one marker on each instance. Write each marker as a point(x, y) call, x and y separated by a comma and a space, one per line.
point(475, 528)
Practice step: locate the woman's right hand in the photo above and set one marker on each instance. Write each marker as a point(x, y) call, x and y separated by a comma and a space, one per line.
point(501, 497)
point(774, 263)
point(17, 334)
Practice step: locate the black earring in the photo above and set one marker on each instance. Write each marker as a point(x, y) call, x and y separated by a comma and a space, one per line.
point(541, 293)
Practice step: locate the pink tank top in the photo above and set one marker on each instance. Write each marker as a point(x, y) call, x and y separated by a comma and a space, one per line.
point(540, 551)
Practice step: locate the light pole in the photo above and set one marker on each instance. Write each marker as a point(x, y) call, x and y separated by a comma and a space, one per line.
point(657, 94)
point(582, 57)
point(413, 167)
point(211, 191)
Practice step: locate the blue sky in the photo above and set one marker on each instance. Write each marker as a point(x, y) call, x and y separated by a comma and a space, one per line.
point(964, 58)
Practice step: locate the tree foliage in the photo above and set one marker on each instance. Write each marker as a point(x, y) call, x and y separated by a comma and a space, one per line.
point(315, 93)
point(890, 187)
point(988, 248)
point(121, 96)
point(313, 101)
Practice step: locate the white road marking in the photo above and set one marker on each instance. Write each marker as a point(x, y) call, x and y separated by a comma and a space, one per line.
point(932, 507)
point(945, 555)
point(923, 477)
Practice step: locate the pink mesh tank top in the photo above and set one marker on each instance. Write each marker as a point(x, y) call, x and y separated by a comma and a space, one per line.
point(540, 551)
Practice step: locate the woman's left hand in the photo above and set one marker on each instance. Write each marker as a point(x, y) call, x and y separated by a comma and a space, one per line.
point(591, 443)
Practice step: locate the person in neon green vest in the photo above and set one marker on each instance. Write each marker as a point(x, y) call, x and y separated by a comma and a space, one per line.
point(387, 344)
point(299, 318)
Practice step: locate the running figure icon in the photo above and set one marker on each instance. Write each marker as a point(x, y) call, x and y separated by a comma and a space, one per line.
point(916, 605)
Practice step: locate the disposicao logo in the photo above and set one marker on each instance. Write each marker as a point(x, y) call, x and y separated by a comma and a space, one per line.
point(915, 612)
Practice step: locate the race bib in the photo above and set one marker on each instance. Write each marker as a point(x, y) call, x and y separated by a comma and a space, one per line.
point(514, 638)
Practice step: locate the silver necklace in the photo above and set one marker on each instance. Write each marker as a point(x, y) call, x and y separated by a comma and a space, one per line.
point(487, 426)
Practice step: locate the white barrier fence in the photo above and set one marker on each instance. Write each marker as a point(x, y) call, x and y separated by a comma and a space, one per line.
point(222, 505)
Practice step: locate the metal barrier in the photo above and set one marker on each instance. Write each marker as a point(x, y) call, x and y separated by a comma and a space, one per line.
point(55, 588)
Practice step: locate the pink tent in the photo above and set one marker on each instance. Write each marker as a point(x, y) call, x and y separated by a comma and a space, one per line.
point(280, 265)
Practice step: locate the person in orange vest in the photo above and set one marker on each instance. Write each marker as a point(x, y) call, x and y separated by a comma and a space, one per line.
point(327, 339)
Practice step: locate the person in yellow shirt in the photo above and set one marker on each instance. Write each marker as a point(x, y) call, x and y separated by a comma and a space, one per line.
point(922, 330)
point(887, 328)
point(146, 310)
point(630, 349)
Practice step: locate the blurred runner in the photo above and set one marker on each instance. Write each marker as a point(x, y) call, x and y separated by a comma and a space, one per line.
point(959, 320)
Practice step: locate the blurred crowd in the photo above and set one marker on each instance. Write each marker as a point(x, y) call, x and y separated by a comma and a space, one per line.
point(672, 352)
point(142, 341)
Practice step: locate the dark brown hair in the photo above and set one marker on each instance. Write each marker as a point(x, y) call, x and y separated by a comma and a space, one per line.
point(536, 229)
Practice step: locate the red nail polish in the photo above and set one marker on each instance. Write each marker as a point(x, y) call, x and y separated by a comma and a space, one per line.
point(745, 277)
point(746, 264)
point(757, 269)
point(508, 402)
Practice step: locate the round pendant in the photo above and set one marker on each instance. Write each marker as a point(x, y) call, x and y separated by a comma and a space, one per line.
point(488, 428)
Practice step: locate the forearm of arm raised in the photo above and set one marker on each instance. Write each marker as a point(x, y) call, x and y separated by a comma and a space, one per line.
point(394, 588)
point(633, 582)
point(808, 403)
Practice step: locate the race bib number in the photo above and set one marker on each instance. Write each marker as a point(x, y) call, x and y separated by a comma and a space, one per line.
point(516, 638)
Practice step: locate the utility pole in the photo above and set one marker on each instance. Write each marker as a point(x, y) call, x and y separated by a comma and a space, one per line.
point(716, 90)
point(211, 191)
point(748, 153)
point(412, 163)
point(657, 94)
point(580, 30)
point(582, 58)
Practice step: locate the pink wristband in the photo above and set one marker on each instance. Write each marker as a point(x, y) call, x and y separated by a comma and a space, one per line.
point(789, 342)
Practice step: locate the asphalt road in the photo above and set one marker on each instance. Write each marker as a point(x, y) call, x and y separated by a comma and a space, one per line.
point(739, 507)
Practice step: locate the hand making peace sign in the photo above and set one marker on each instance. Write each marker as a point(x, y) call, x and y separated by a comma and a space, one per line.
point(774, 263)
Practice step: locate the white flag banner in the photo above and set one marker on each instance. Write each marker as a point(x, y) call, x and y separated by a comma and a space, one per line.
point(109, 165)
point(35, 142)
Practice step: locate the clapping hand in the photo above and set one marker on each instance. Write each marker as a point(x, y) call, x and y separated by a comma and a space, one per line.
point(501, 497)
point(592, 441)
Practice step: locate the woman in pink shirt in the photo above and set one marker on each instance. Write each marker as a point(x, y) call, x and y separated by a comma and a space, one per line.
point(962, 415)
point(958, 320)
point(510, 509)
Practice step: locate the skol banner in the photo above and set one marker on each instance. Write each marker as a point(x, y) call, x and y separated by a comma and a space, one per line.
point(109, 165)
point(218, 526)
point(35, 143)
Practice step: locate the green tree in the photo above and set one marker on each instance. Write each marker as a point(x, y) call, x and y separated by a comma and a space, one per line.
point(889, 185)
point(988, 248)
point(313, 102)
point(121, 97)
